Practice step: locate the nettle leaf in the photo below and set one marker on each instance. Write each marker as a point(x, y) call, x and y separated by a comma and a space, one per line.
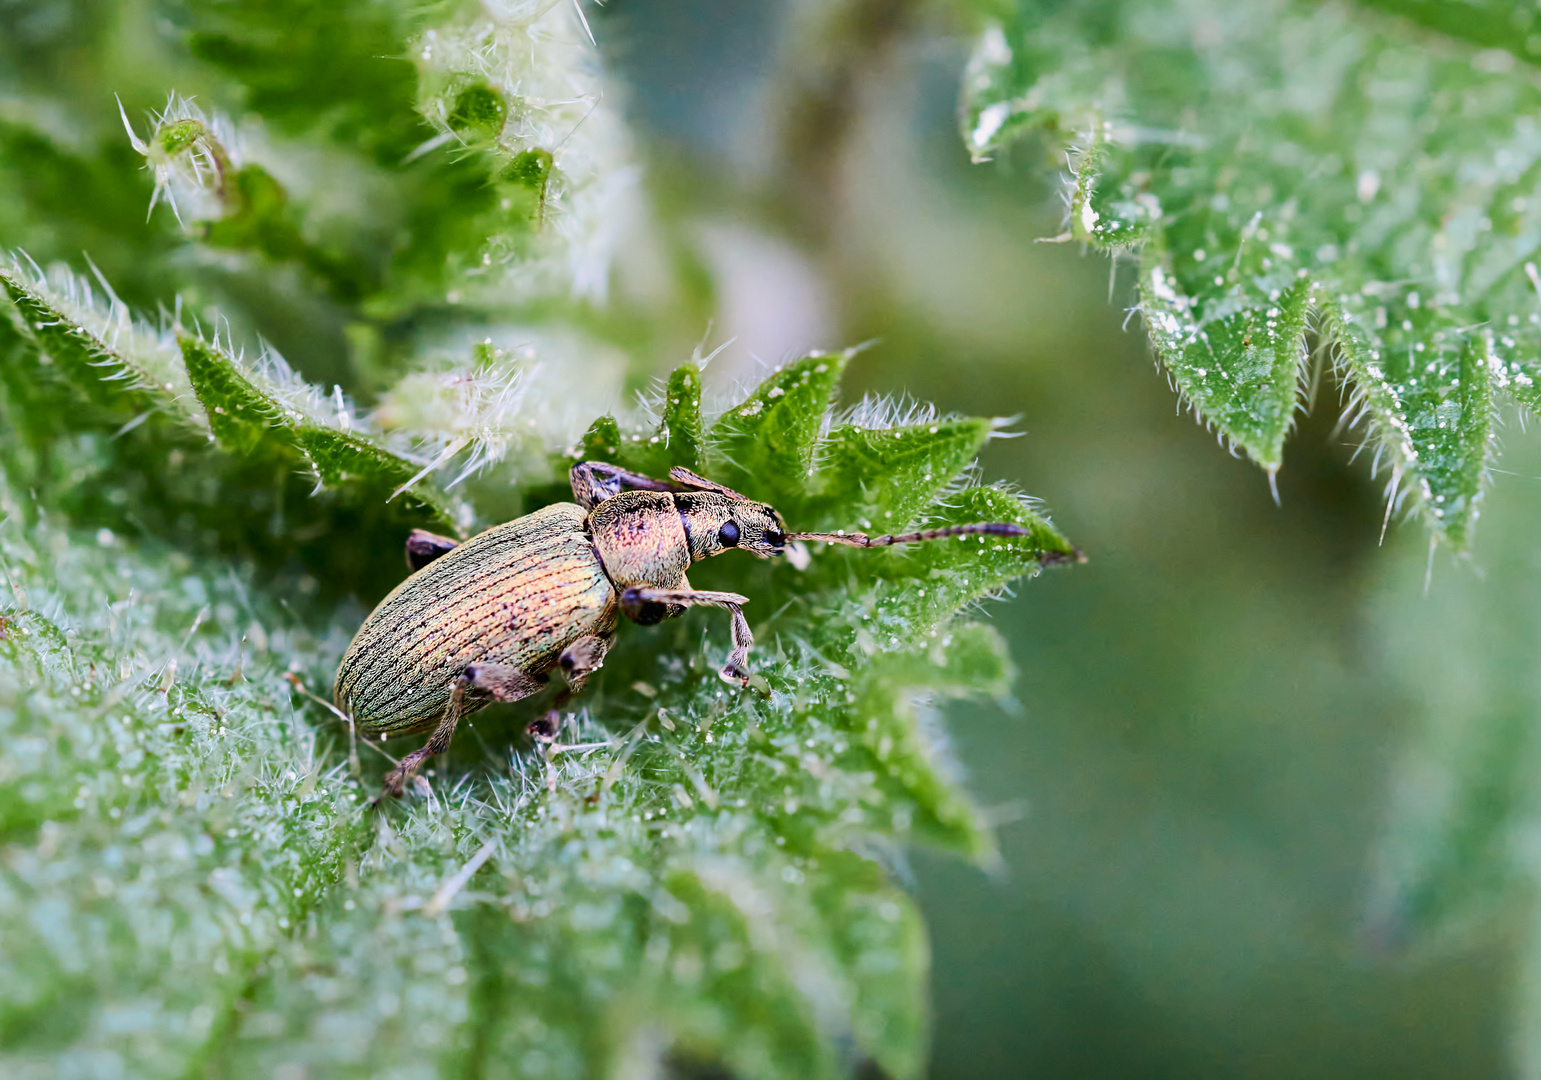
point(896, 471)
point(693, 877)
point(682, 422)
point(1295, 174)
point(176, 829)
point(678, 439)
point(119, 423)
point(241, 416)
point(766, 442)
point(780, 445)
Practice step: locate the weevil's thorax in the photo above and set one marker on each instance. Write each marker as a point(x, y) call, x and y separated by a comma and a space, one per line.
point(641, 540)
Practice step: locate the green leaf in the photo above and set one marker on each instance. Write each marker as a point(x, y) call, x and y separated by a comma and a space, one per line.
point(908, 762)
point(679, 884)
point(1240, 369)
point(1489, 24)
point(602, 442)
point(765, 444)
point(678, 439)
point(238, 415)
point(877, 934)
point(67, 356)
point(1286, 167)
point(167, 831)
point(893, 473)
point(682, 427)
point(288, 56)
point(241, 416)
point(108, 406)
point(479, 109)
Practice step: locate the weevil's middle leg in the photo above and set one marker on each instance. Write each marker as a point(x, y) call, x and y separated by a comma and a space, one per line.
point(578, 661)
point(634, 603)
point(501, 682)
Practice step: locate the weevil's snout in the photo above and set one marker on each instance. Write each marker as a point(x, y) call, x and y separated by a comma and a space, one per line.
point(775, 534)
point(760, 530)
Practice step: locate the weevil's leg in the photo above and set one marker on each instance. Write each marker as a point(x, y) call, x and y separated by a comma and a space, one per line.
point(736, 670)
point(423, 547)
point(578, 661)
point(595, 481)
point(635, 605)
point(582, 658)
point(501, 682)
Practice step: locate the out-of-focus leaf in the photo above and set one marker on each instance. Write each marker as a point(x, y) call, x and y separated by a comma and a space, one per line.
point(1458, 845)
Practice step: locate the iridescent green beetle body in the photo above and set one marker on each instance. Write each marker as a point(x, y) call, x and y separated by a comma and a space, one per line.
point(489, 619)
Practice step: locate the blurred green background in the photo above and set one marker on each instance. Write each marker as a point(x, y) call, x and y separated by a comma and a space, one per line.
point(1194, 775)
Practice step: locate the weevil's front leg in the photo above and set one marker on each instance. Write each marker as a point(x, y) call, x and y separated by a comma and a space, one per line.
point(595, 481)
point(501, 682)
point(578, 661)
point(423, 547)
point(634, 605)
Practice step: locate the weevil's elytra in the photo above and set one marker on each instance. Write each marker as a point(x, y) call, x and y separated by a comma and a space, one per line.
point(489, 619)
point(518, 594)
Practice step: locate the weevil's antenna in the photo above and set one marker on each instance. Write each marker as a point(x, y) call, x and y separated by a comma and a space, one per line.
point(977, 528)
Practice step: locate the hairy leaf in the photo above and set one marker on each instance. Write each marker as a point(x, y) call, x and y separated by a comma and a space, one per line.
point(120, 422)
point(1291, 170)
point(690, 876)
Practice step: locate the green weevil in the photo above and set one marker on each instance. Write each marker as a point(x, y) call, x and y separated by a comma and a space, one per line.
point(489, 619)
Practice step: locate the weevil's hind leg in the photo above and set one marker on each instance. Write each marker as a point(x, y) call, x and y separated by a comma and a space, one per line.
point(643, 605)
point(501, 682)
point(595, 481)
point(578, 661)
point(423, 547)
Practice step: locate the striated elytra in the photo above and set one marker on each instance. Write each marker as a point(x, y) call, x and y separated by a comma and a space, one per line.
point(489, 619)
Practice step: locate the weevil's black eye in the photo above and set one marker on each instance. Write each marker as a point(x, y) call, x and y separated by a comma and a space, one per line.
point(775, 539)
point(729, 534)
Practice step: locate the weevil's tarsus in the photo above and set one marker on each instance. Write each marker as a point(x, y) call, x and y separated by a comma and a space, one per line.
point(544, 730)
point(423, 547)
point(736, 670)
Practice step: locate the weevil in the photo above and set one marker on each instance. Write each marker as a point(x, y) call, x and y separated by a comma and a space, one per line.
point(491, 618)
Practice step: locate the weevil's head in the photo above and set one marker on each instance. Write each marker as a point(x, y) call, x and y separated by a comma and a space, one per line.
point(716, 523)
point(719, 519)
